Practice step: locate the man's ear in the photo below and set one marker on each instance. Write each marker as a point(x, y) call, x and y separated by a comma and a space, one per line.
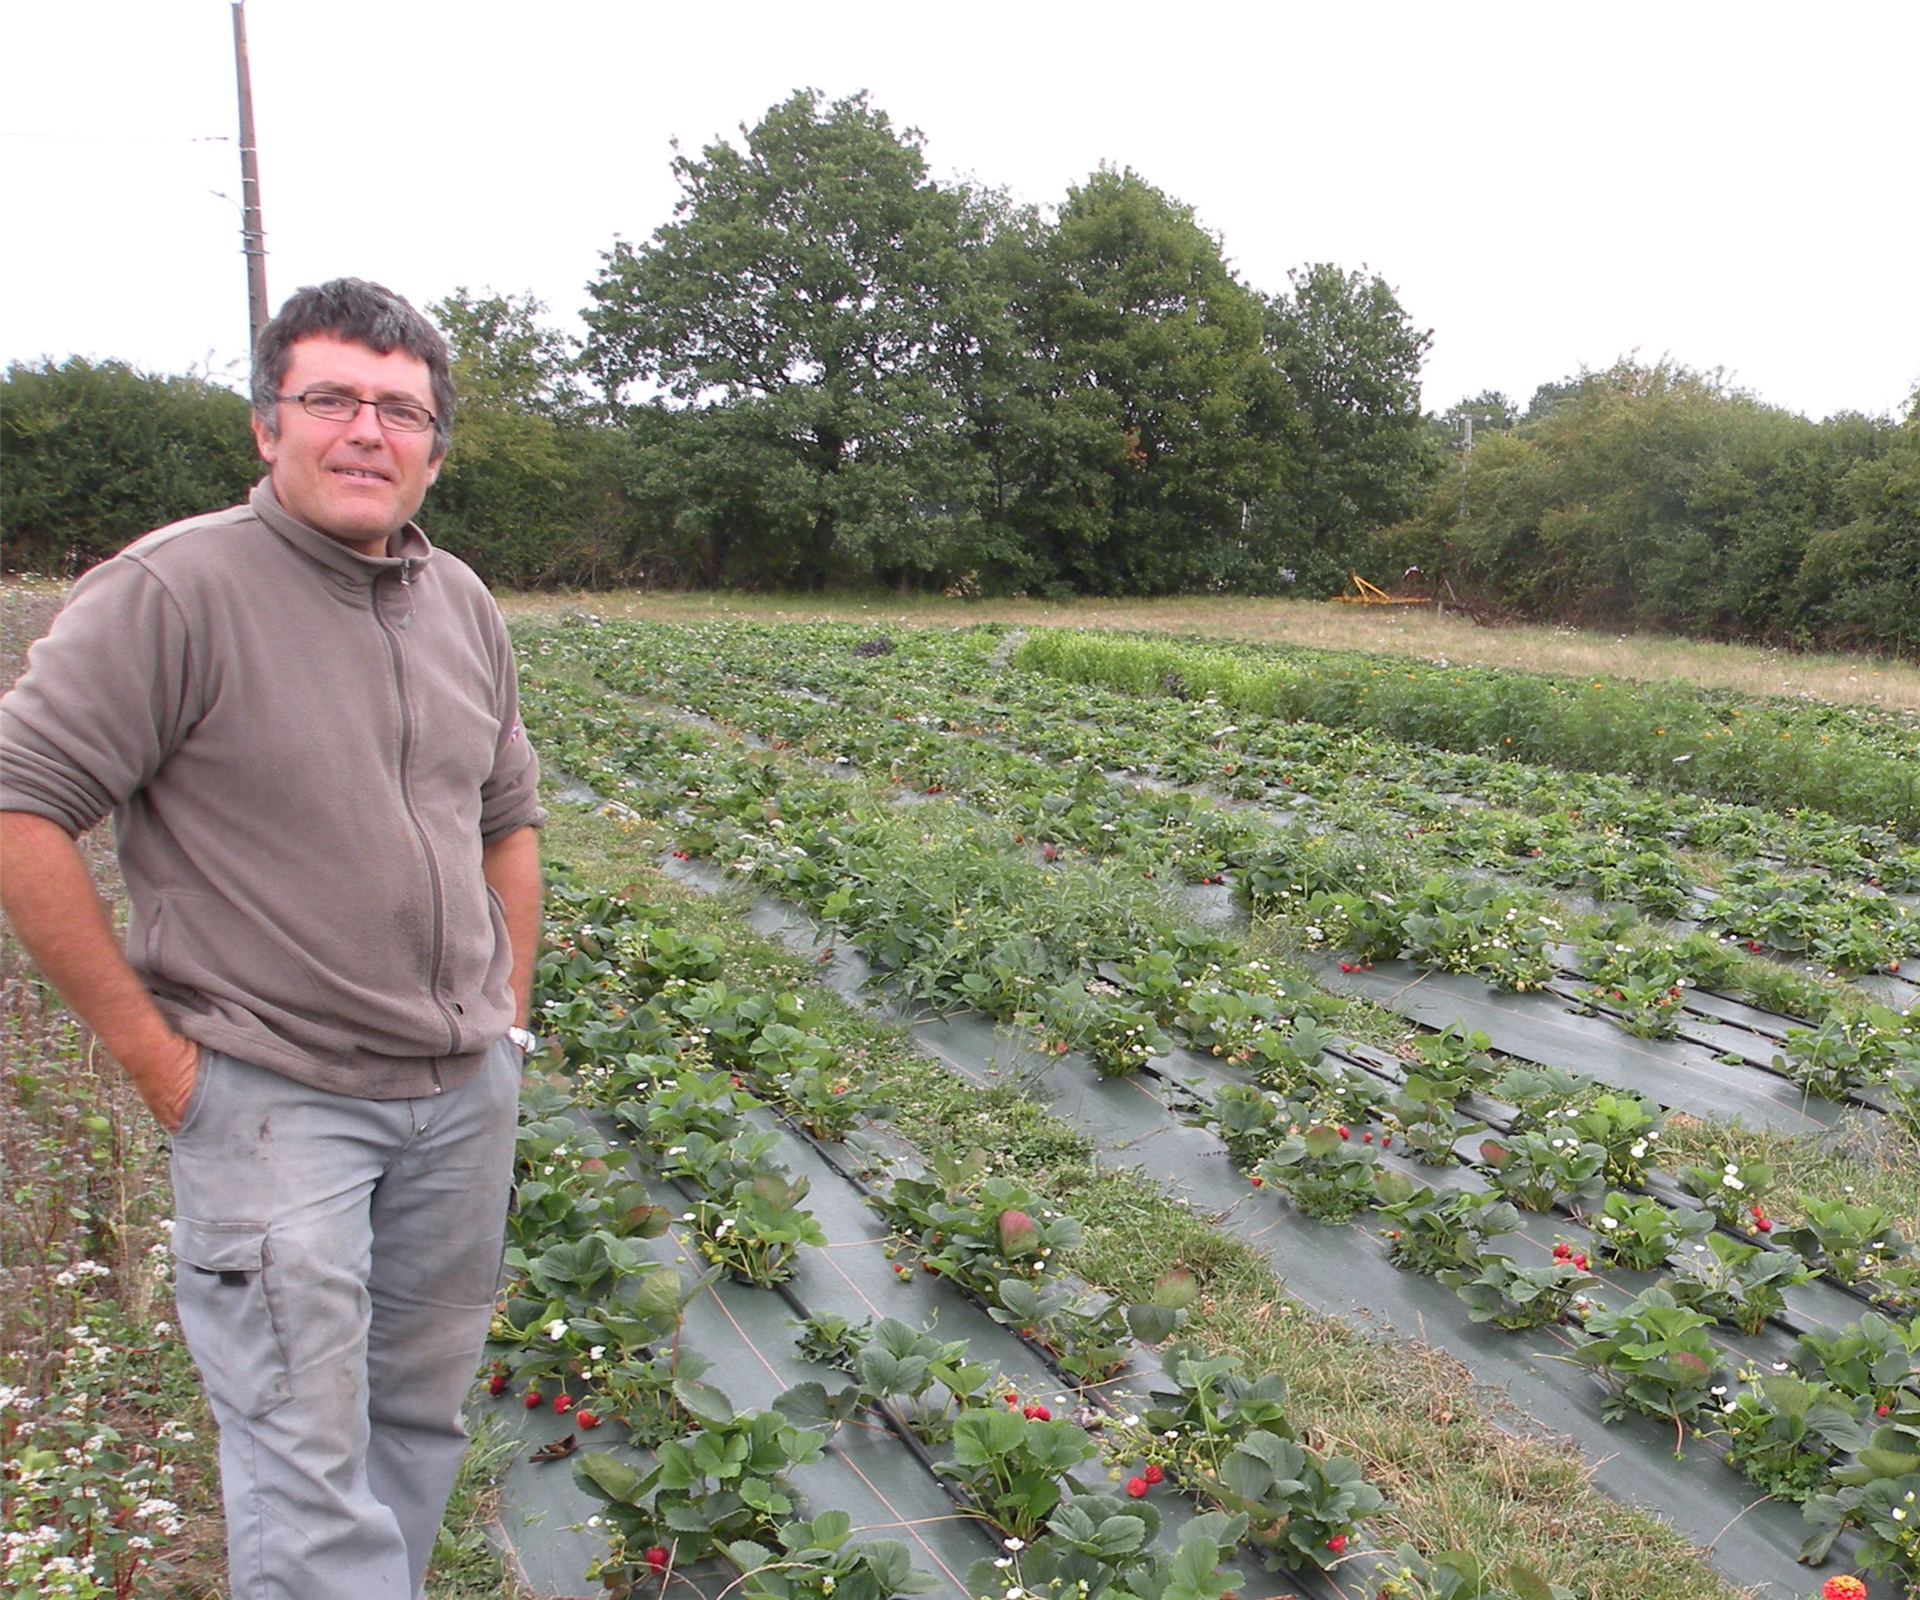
point(263, 441)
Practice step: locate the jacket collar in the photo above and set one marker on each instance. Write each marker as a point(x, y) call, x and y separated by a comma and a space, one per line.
point(410, 543)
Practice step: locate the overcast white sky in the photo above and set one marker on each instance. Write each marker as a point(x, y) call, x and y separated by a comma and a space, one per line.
point(1547, 183)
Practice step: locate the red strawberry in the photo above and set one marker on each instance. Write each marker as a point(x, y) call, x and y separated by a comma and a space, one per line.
point(497, 1384)
point(1256, 1180)
point(586, 1419)
point(1037, 1413)
point(1344, 1131)
point(1337, 1543)
point(1153, 1474)
point(533, 1402)
point(657, 1558)
point(563, 1403)
point(1137, 1487)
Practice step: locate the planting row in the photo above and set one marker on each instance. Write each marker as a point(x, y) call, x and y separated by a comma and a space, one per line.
point(751, 819)
point(1377, 834)
point(821, 683)
point(1262, 1017)
point(1646, 982)
point(664, 1053)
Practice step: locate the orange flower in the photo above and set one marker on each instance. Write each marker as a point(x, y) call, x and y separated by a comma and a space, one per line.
point(1844, 1587)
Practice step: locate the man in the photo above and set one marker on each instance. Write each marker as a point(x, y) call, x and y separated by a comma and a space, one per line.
point(305, 722)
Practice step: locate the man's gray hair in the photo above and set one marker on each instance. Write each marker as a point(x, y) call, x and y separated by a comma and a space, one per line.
point(358, 312)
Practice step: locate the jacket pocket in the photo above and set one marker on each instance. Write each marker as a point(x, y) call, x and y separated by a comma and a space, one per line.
point(220, 1291)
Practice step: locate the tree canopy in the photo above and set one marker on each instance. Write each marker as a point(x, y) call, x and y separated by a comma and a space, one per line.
point(813, 285)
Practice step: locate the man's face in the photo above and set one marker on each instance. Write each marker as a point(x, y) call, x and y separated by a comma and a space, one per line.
point(357, 481)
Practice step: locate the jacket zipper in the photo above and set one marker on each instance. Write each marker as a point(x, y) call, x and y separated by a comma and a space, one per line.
point(398, 657)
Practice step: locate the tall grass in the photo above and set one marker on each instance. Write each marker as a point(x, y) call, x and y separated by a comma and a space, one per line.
point(1858, 768)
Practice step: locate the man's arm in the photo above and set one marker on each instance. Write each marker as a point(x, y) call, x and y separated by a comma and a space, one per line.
point(49, 897)
point(511, 866)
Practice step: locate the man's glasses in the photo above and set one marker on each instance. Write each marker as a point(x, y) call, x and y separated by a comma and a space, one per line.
point(398, 415)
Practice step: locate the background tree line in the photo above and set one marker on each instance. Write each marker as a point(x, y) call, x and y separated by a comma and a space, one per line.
point(1648, 496)
point(829, 369)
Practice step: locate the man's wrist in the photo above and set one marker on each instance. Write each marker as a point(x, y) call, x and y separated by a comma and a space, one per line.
point(525, 1041)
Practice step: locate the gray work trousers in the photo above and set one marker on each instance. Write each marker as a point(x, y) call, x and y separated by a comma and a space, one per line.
point(336, 1261)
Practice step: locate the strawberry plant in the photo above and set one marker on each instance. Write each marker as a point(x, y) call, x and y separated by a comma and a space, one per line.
point(832, 1341)
point(1121, 1039)
point(597, 1291)
point(1458, 1575)
point(1016, 1468)
point(817, 1560)
point(1432, 1231)
point(1739, 1284)
point(1456, 1058)
point(1086, 1338)
point(1496, 1290)
point(1655, 1356)
point(1784, 1432)
point(568, 1183)
point(1642, 986)
point(1423, 1121)
point(1248, 1120)
point(1879, 1495)
point(928, 1381)
point(1843, 1054)
point(1102, 1547)
point(1213, 1406)
point(1856, 1243)
point(1301, 1508)
point(1876, 1359)
point(1324, 1170)
point(725, 1481)
point(1473, 925)
point(1731, 1190)
point(827, 1102)
point(1539, 1169)
point(974, 1229)
point(1625, 1126)
point(1638, 1232)
point(757, 1229)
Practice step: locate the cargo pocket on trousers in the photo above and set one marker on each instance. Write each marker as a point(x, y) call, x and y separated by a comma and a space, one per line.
point(220, 1292)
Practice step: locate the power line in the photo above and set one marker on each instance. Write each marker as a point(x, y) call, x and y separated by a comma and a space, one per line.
point(124, 138)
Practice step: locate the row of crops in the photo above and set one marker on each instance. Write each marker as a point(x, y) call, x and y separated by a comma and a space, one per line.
point(1045, 872)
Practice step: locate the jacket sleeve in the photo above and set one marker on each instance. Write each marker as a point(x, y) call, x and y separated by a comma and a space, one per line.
point(107, 696)
point(510, 797)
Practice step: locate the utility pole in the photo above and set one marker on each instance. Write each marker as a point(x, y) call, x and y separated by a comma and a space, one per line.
point(253, 238)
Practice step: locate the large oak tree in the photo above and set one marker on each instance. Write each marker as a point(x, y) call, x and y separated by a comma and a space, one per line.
point(814, 283)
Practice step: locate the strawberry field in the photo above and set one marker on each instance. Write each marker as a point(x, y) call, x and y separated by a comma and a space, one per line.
point(1558, 1033)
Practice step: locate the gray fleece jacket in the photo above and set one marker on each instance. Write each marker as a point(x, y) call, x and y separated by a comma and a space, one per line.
point(305, 750)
